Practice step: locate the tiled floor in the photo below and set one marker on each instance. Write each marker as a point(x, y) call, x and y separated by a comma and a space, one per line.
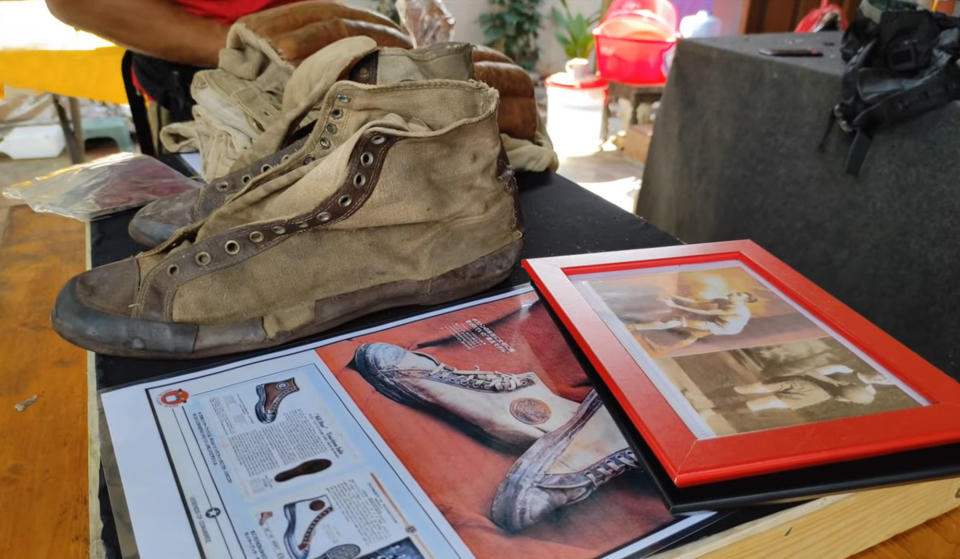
point(608, 174)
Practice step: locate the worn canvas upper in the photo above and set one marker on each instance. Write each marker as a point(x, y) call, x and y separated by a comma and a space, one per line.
point(407, 196)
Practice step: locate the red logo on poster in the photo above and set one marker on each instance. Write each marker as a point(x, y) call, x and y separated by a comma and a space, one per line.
point(174, 397)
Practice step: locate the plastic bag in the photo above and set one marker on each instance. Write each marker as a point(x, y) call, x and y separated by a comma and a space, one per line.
point(101, 187)
point(427, 21)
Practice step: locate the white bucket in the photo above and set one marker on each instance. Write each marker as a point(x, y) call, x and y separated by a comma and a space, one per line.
point(575, 102)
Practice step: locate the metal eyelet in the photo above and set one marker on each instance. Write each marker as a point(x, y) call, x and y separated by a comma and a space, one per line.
point(202, 258)
point(366, 159)
point(222, 186)
point(278, 230)
point(324, 143)
point(231, 247)
point(331, 128)
point(308, 160)
point(341, 98)
point(245, 179)
point(359, 180)
point(285, 158)
point(345, 200)
point(377, 140)
point(323, 217)
point(255, 237)
point(302, 225)
point(336, 113)
point(173, 269)
point(265, 167)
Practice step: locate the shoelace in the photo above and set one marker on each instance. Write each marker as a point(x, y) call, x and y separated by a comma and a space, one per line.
point(611, 467)
point(305, 541)
point(481, 380)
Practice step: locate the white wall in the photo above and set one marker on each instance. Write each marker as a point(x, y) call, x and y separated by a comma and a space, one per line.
point(551, 53)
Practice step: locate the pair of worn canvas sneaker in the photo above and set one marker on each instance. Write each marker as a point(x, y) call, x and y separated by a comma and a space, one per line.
point(568, 450)
point(397, 192)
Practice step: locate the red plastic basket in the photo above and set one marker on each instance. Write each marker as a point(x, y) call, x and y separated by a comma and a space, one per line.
point(636, 59)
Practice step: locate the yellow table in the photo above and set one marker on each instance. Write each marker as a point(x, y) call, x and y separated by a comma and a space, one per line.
point(92, 74)
point(39, 52)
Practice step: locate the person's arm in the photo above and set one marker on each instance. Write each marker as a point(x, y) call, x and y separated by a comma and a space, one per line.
point(157, 28)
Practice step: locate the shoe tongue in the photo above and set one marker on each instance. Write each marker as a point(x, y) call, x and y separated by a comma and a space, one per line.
point(307, 87)
point(310, 81)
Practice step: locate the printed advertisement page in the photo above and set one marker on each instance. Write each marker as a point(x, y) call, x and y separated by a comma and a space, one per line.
point(470, 431)
point(271, 462)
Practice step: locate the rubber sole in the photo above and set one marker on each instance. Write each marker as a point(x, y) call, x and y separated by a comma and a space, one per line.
point(129, 337)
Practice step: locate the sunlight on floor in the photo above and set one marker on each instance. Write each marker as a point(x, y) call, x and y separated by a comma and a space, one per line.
point(608, 174)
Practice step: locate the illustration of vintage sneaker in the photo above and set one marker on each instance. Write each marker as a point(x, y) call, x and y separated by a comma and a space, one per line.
point(302, 520)
point(509, 410)
point(563, 467)
point(403, 549)
point(306, 468)
point(416, 207)
point(269, 396)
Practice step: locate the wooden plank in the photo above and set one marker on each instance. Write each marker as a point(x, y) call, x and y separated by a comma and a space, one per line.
point(43, 456)
point(97, 549)
point(832, 527)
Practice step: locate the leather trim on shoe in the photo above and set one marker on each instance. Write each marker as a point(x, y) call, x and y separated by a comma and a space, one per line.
point(158, 287)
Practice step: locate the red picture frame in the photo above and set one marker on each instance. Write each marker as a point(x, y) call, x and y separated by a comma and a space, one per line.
point(690, 460)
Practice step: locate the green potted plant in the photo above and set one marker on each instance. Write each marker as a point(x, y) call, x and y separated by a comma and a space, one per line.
point(574, 31)
point(513, 27)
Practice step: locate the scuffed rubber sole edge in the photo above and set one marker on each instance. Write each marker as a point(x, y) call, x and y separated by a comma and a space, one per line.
point(450, 286)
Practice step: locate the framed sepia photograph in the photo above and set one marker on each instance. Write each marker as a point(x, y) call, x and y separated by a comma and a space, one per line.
point(730, 364)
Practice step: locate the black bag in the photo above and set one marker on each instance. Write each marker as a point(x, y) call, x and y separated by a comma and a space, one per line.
point(896, 69)
point(167, 83)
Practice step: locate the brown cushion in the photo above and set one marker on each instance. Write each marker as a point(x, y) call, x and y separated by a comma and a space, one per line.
point(518, 105)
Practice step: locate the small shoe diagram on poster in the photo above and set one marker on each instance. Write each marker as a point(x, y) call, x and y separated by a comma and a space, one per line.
point(276, 466)
point(269, 433)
